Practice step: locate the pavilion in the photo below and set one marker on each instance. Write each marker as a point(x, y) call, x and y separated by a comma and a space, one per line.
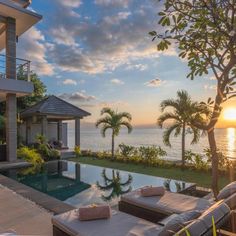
point(51, 110)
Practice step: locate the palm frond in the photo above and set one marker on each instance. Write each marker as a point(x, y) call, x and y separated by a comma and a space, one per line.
point(167, 133)
point(107, 110)
point(103, 120)
point(127, 125)
point(166, 116)
point(125, 115)
point(104, 128)
point(196, 134)
point(169, 103)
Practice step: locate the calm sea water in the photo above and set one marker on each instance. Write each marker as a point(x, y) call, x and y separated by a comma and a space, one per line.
point(91, 139)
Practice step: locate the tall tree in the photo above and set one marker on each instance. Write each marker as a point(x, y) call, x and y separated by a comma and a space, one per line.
point(184, 111)
point(205, 33)
point(115, 121)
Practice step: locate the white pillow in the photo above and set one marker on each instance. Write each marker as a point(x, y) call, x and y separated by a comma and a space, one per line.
point(227, 191)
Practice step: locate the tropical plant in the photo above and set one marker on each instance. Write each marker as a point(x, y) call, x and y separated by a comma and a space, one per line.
point(185, 111)
point(114, 185)
point(115, 121)
point(40, 139)
point(29, 154)
point(197, 160)
point(151, 153)
point(126, 150)
point(77, 151)
point(205, 34)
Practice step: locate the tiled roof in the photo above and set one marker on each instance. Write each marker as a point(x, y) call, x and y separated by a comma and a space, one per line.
point(54, 106)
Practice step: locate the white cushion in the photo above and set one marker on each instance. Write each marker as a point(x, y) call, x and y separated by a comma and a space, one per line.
point(227, 191)
point(119, 224)
point(169, 203)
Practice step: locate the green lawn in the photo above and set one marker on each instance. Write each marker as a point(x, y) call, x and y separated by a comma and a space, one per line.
point(201, 178)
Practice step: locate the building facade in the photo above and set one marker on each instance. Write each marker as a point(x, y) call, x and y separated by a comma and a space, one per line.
point(15, 19)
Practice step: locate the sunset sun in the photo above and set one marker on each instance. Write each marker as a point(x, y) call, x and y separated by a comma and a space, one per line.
point(230, 114)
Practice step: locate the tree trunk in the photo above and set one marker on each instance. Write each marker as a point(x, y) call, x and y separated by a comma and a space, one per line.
point(112, 145)
point(183, 146)
point(214, 161)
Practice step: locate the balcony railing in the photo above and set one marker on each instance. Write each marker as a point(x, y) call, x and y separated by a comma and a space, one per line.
point(22, 68)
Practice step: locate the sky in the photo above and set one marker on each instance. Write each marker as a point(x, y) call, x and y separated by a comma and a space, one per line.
point(97, 53)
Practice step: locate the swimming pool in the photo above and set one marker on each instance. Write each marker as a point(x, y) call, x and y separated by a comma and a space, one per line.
point(81, 184)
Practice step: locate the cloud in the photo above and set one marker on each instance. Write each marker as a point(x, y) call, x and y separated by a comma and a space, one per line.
point(155, 83)
point(71, 3)
point(210, 87)
point(69, 82)
point(74, 60)
point(111, 39)
point(62, 36)
point(77, 97)
point(117, 82)
point(32, 46)
point(113, 3)
point(140, 67)
point(114, 104)
point(117, 18)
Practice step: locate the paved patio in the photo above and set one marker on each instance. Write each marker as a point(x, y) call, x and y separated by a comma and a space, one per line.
point(22, 216)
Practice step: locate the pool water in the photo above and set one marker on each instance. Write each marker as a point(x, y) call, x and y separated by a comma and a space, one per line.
point(81, 184)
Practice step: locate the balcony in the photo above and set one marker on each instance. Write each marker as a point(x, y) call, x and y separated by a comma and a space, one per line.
point(21, 86)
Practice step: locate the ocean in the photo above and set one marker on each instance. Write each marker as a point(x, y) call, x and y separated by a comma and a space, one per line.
point(91, 139)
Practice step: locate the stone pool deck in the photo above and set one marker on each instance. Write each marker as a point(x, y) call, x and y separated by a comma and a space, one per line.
point(49, 203)
point(22, 216)
point(26, 210)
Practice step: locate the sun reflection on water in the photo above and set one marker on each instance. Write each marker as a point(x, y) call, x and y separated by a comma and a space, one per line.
point(231, 135)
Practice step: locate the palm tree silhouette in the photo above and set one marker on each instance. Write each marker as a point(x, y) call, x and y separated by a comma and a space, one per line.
point(185, 113)
point(114, 185)
point(114, 120)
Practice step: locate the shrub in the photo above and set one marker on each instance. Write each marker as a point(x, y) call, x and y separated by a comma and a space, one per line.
point(30, 155)
point(224, 161)
point(126, 150)
point(151, 154)
point(48, 153)
point(41, 139)
point(197, 160)
point(77, 151)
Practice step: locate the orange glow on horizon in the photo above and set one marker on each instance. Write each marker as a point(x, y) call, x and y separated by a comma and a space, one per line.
point(229, 114)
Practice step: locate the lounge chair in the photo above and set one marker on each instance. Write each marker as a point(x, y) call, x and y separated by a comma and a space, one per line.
point(122, 224)
point(156, 207)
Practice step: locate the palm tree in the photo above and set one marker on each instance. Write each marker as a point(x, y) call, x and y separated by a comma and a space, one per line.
point(114, 185)
point(114, 120)
point(185, 111)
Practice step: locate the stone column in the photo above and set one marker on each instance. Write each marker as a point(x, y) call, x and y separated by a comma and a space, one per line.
point(28, 124)
point(44, 127)
point(77, 132)
point(77, 173)
point(11, 117)
point(59, 130)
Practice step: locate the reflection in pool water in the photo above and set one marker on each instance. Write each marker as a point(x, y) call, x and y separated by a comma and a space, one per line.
point(80, 184)
point(114, 185)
